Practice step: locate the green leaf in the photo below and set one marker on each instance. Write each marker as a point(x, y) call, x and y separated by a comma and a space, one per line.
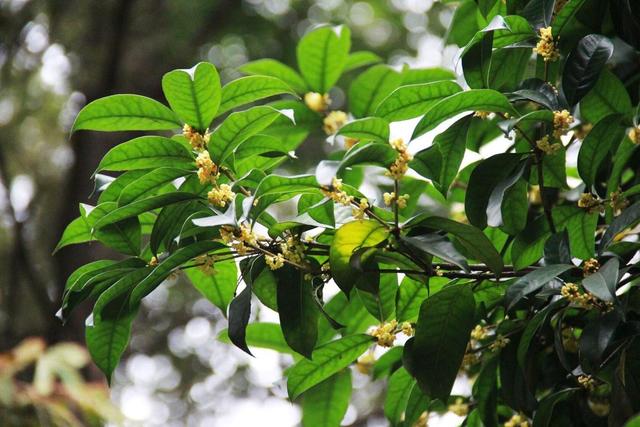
point(400, 386)
point(533, 281)
point(464, 24)
point(147, 152)
point(414, 76)
point(78, 231)
point(514, 208)
point(378, 154)
point(629, 217)
point(519, 30)
point(322, 55)
point(273, 68)
point(351, 236)
point(251, 88)
point(539, 12)
point(111, 191)
point(484, 179)
point(218, 286)
point(602, 283)
point(583, 66)
point(237, 128)
point(595, 147)
point(149, 183)
point(194, 94)
point(434, 355)
point(349, 312)
point(297, 309)
point(581, 226)
point(262, 335)
point(411, 101)
point(359, 59)
point(239, 312)
point(109, 327)
point(126, 112)
point(368, 129)
point(325, 404)
point(474, 241)
point(533, 326)
point(168, 265)
point(608, 96)
point(123, 236)
point(410, 296)
point(370, 88)
point(470, 100)
point(452, 145)
point(428, 163)
point(140, 206)
point(326, 361)
point(528, 245)
point(277, 188)
point(438, 246)
point(544, 414)
point(565, 16)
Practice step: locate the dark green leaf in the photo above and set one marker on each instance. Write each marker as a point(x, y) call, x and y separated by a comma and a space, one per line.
point(583, 66)
point(411, 101)
point(398, 391)
point(368, 129)
point(442, 334)
point(626, 219)
point(370, 88)
point(297, 309)
point(533, 281)
point(262, 335)
point(608, 96)
point(239, 312)
point(595, 148)
point(249, 89)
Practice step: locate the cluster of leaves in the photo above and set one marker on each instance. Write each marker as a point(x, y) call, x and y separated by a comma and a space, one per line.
point(531, 292)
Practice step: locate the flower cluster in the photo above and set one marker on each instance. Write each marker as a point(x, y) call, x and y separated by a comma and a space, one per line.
point(590, 266)
point(274, 262)
point(546, 46)
point(547, 147)
point(407, 329)
point(197, 140)
point(617, 201)
point(518, 420)
point(590, 203)
point(634, 135)
point(221, 195)
point(401, 165)
point(242, 239)
point(401, 201)
point(561, 122)
point(337, 194)
point(571, 292)
point(206, 263)
point(207, 170)
point(317, 101)
point(482, 114)
point(359, 211)
point(500, 342)
point(386, 333)
point(293, 250)
point(460, 408)
point(479, 332)
point(334, 121)
point(587, 382)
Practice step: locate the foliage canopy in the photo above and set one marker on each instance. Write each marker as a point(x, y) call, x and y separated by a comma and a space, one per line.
point(531, 289)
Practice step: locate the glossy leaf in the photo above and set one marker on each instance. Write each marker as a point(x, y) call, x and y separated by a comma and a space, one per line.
point(368, 129)
point(584, 65)
point(434, 355)
point(370, 88)
point(147, 152)
point(348, 238)
point(533, 281)
point(273, 68)
point(325, 404)
point(249, 89)
point(262, 335)
point(322, 55)
point(411, 101)
point(326, 361)
point(596, 146)
point(218, 286)
point(126, 112)
point(194, 94)
point(607, 97)
point(400, 386)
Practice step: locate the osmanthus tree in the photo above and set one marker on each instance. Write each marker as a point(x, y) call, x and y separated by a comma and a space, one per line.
point(527, 285)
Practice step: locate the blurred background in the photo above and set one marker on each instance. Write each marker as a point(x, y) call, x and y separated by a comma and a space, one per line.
point(57, 55)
